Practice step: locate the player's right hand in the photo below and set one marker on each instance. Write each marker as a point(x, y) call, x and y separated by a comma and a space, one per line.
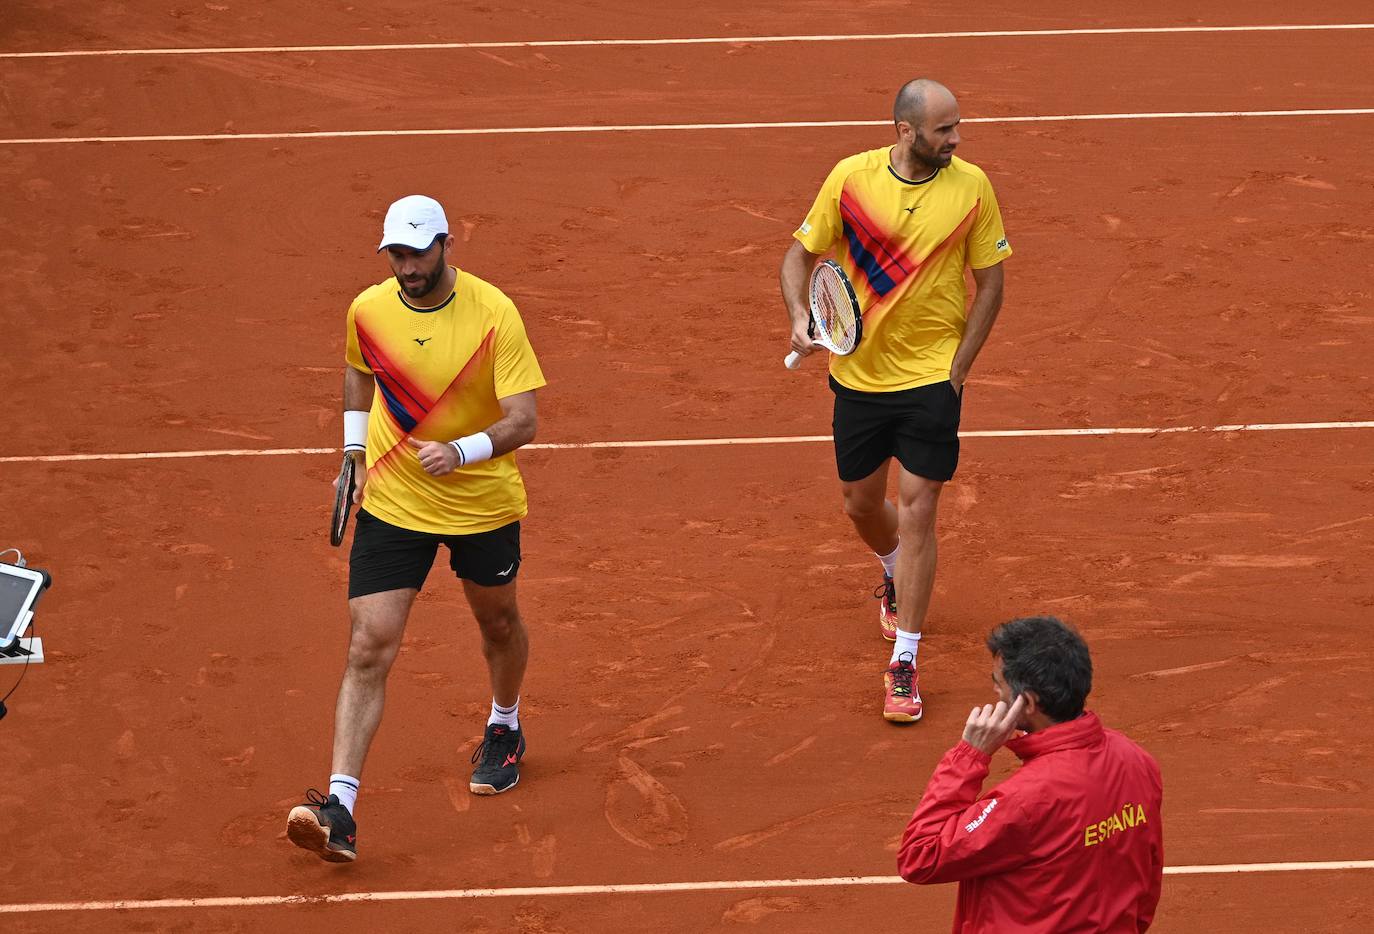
point(802, 344)
point(359, 479)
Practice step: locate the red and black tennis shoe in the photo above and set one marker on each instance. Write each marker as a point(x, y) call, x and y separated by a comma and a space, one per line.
point(497, 760)
point(324, 827)
point(902, 703)
point(886, 592)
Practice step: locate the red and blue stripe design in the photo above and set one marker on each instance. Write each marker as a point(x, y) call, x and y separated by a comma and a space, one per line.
point(884, 264)
point(406, 402)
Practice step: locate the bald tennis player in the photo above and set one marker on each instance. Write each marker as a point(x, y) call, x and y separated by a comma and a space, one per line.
point(905, 221)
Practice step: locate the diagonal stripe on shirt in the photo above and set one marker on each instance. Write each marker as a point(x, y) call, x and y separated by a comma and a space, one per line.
point(884, 264)
point(877, 312)
point(465, 374)
point(459, 382)
point(406, 402)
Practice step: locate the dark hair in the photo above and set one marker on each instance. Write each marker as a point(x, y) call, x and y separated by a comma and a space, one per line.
point(1047, 657)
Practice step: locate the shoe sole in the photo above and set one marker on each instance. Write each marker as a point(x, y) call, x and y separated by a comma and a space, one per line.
point(900, 717)
point(304, 829)
point(491, 789)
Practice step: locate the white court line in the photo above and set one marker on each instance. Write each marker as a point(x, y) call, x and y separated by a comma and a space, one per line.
point(709, 442)
point(252, 901)
point(701, 40)
point(652, 127)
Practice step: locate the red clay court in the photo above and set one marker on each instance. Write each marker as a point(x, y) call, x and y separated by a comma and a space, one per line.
point(1168, 442)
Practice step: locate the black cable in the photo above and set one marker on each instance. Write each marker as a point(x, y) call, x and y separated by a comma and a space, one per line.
point(28, 658)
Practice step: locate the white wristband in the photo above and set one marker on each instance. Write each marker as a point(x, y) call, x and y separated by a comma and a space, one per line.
point(355, 431)
point(473, 448)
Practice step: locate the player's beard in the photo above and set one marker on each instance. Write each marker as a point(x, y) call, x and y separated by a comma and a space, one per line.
point(429, 283)
point(929, 157)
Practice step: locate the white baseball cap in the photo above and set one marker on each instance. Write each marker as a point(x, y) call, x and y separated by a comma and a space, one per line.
point(414, 221)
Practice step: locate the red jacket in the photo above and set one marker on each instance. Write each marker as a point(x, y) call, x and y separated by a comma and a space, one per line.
point(1071, 842)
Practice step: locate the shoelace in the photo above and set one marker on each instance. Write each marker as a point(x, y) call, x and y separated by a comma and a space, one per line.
point(901, 680)
point(312, 796)
point(887, 589)
point(491, 748)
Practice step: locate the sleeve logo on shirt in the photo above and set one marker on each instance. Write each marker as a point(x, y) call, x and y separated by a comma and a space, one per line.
point(1132, 815)
point(1002, 244)
point(805, 228)
point(974, 824)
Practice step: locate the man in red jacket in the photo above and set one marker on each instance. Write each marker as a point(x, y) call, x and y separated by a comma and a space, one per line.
point(1072, 841)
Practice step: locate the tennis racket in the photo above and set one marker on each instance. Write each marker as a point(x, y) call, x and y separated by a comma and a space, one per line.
point(343, 500)
point(836, 323)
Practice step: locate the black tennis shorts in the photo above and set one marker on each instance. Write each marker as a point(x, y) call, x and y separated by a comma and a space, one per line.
point(920, 427)
point(386, 557)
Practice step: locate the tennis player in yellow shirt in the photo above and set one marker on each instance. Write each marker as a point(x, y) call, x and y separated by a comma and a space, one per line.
point(438, 394)
point(904, 222)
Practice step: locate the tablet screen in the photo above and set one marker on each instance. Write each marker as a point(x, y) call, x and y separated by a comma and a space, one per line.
point(14, 595)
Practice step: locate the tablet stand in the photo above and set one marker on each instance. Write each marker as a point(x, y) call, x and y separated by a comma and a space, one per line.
point(23, 651)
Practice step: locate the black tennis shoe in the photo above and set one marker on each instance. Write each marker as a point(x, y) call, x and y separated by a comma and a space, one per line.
point(498, 760)
point(324, 827)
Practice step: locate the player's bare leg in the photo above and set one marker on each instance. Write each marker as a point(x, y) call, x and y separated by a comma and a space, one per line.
point(873, 515)
point(918, 499)
point(379, 622)
point(875, 519)
point(505, 642)
point(324, 823)
point(506, 646)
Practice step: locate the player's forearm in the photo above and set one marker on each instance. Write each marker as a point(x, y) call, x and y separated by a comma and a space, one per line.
point(358, 389)
point(517, 426)
point(795, 274)
point(987, 302)
point(513, 431)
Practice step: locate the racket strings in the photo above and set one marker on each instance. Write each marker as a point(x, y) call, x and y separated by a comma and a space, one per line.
point(837, 318)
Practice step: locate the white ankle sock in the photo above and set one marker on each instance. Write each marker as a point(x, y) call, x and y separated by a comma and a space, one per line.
point(890, 561)
point(506, 716)
point(346, 788)
point(906, 642)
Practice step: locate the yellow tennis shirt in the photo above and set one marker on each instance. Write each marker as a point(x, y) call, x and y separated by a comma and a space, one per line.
point(440, 373)
point(904, 245)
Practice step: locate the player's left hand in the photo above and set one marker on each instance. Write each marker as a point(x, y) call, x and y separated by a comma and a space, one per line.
point(436, 457)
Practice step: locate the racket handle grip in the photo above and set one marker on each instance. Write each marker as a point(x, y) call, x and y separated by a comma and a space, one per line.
point(792, 360)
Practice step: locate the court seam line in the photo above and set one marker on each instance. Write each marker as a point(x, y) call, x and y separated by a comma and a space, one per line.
point(714, 442)
point(658, 127)
point(693, 40)
point(251, 901)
